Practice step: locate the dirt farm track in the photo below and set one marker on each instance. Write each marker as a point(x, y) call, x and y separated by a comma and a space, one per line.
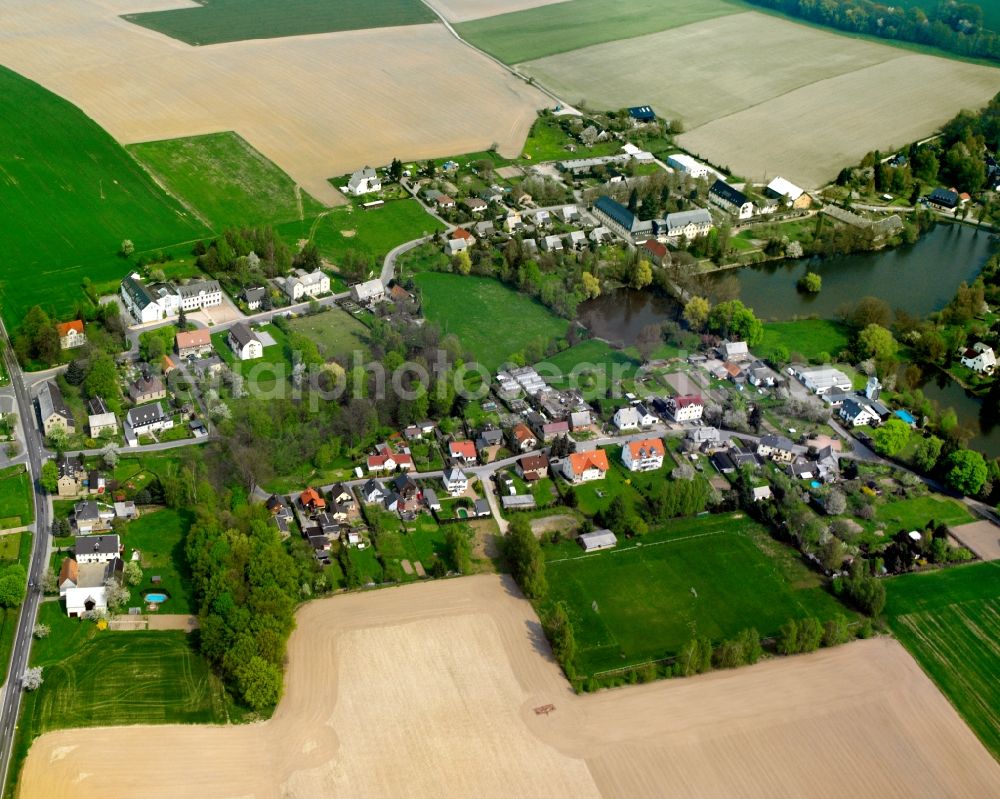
point(318, 106)
point(429, 690)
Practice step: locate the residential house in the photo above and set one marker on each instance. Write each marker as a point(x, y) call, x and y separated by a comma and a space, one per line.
point(489, 438)
point(254, 297)
point(685, 408)
point(364, 181)
point(569, 214)
point(681, 162)
point(374, 492)
point(463, 452)
point(455, 246)
point(646, 417)
point(583, 467)
point(444, 202)
point(723, 463)
point(580, 419)
point(475, 205)
point(730, 199)
point(980, 358)
point(702, 437)
point(532, 467)
point(244, 343)
point(417, 431)
point(90, 516)
point(542, 218)
point(626, 418)
point(456, 482)
point(688, 225)
point(312, 501)
point(200, 294)
point(72, 473)
point(96, 548)
point(484, 230)
point(761, 375)
point(513, 222)
point(597, 540)
point(760, 493)
point(71, 334)
point(126, 510)
point(369, 292)
point(643, 456)
point(656, 252)
point(82, 586)
point(53, 410)
point(600, 234)
point(576, 240)
point(302, 285)
point(802, 469)
point(146, 388)
point(944, 199)
point(789, 193)
point(100, 419)
point(342, 497)
point(193, 342)
point(552, 244)
point(551, 430)
point(462, 233)
point(777, 448)
point(734, 351)
point(145, 420)
point(857, 413)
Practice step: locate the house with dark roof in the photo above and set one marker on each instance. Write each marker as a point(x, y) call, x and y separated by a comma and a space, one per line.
point(144, 420)
point(53, 410)
point(244, 342)
point(619, 219)
point(147, 388)
point(945, 199)
point(642, 113)
point(730, 199)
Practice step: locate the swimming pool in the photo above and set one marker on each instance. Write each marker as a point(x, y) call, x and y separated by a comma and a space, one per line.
point(156, 598)
point(815, 484)
point(906, 416)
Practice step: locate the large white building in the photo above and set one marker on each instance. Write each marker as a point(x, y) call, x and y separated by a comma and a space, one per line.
point(303, 284)
point(688, 165)
point(980, 358)
point(368, 292)
point(689, 224)
point(364, 181)
point(244, 342)
point(643, 456)
point(97, 548)
point(730, 199)
point(823, 379)
point(686, 408)
point(157, 301)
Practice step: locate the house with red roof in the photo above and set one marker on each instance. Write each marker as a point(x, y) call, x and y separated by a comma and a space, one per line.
point(71, 334)
point(583, 467)
point(462, 451)
point(643, 456)
point(312, 500)
point(685, 408)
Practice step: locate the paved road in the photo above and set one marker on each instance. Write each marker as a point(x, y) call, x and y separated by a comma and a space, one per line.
point(11, 692)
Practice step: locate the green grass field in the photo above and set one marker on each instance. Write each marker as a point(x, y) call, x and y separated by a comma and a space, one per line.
point(916, 513)
point(708, 576)
point(560, 27)
point(17, 500)
point(69, 194)
point(238, 20)
point(225, 180)
point(591, 366)
point(372, 233)
point(491, 320)
point(547, 142)
point(95, 678)
point(808, 337)
point(14, 547)
point(949, 620)
point(159, 537)
point(335, 332)
point(261, 373)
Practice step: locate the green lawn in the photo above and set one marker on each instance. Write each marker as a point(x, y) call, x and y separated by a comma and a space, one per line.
point(547, 142)
point(423, 541)
point(13, 548)
point(225, 180)
point(69, 195)
point(237, 20)
point(916, 513)
point(491, 320)
point(261, 373)
point(95, 678)
point(949, 620)
point(17, 499)
point(808, 337)
point(133, 472)
point(560, 27)
point(372, 233)
point(335, 332)
point(708, 576)
point(591, 366)
point(159, 537)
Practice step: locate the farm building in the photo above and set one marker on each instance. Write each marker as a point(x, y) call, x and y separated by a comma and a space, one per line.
point(688, 165)
point(730, 199)
point(642, 113)
point(364, 181)
point(597, 540)
point(781, 189)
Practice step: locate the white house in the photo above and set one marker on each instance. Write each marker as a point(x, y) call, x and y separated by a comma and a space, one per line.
point(370, 291)
point(148, 303)
point(97, 548)
point(99, 418)
point(552, 244)
point(144, 420)
point(311, 284)
point(364, 181)
point(626, 418)
point(244, 342)
point(687, 224)
point(200, 294)
point(643, 456)
point(776, 448)
point(455, 481)
point(688, 165)
point(980, 358)
point(583, 467)
point(685, 408)
point(730, 199)
point(569, 214)
point(81, 585)
point(455, 246)
point(576, 239)
point(858, 414)
point(71, 334)
point(91, 516)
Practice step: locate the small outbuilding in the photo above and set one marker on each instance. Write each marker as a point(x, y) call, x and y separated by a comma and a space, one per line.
point(598, 540)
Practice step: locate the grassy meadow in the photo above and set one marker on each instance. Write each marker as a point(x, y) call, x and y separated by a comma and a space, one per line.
point(335, 332)
point(707, 576)
point(808, 337)
point(17, 504)
point(159, 538)
point(491, 320)
point(591, 366)
point(217, 21)
point(949, 620)
point(14, 548)
point(560, 27)
point(69, 194)
point(225, 180)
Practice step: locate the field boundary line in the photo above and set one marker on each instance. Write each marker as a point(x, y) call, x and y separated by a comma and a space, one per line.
point(644, 546)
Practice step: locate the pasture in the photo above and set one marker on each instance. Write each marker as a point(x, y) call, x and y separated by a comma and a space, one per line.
point(142, 87)
point(218, 21)
point(225, 181)
point(69, 195)
point(949, 620)
point(558, 28)
point(708, 576)
point(17, 498)
point(335, 332)
point(492, 321)
point(810, 338)
point(473, 668)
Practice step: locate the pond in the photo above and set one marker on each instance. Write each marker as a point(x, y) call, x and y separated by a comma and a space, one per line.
point(619, 316)
point(973, 412)
point(917, 278)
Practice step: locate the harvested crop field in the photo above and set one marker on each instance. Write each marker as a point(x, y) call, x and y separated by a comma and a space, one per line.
point(741, 77)
point(464, 10)
point(304, 103)
point(981, 537)
point(431, 690)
